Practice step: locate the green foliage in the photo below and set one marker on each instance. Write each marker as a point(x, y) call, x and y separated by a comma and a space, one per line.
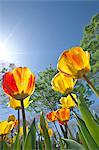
point(89, 120)
point(90, 42)
point(82, 139)
point(30, 142)
point(5, 146)
point(73, 145)
point(86, 136)
point(16, 145)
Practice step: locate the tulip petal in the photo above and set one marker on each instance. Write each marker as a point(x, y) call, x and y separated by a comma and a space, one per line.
point(9, 84)
point(67, 102)
point(87, 64)
point(51, 116)
point(6, 127)
point(21, 76)
point(17, 104)
point(31, 84)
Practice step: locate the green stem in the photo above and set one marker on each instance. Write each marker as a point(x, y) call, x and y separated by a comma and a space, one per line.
point(70, 133)
point(62, 130)
point(91, 85)
point(18, 121)
point(24, 120)
point(57, 130)
point(66, 133)
point(73, 99)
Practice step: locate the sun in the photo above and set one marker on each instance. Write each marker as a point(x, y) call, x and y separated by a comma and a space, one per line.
point(7, 50)
point(4, 52)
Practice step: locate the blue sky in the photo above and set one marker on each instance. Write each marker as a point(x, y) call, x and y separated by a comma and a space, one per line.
point(37, 32)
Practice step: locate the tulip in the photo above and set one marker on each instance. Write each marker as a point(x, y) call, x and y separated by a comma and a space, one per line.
point(63, 115)
point(6, 127)
point(74, 62)
point(68, 102)
point(51, 116)
point(19, 84)
point(62, 83)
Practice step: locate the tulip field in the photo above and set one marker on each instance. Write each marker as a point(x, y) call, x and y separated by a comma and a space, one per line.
point(19, 84)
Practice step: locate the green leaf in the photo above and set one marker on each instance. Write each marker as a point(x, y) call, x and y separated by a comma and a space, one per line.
point(30, 142)
point(16, 145)
point(73, 145)
point(5, 146)
point(89, 120)
point(87, 136)
point(45, 132)
point(41, 144)
point(82, 139)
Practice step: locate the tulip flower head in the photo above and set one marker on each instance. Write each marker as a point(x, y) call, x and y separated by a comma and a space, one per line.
point(63, 115)
point(19, 84)
point(62, 83)
point(51, 116)
point(67, 102)
point(6, 127)
point(74, 62)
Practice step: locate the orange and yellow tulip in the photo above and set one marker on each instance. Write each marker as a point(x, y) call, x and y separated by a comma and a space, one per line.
point(15, 104)
point(62, 83)
point(63, 115)
point(74, 62)
point(19, 84)
point(67, 102)
point(6, 127)
point(51, 116)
